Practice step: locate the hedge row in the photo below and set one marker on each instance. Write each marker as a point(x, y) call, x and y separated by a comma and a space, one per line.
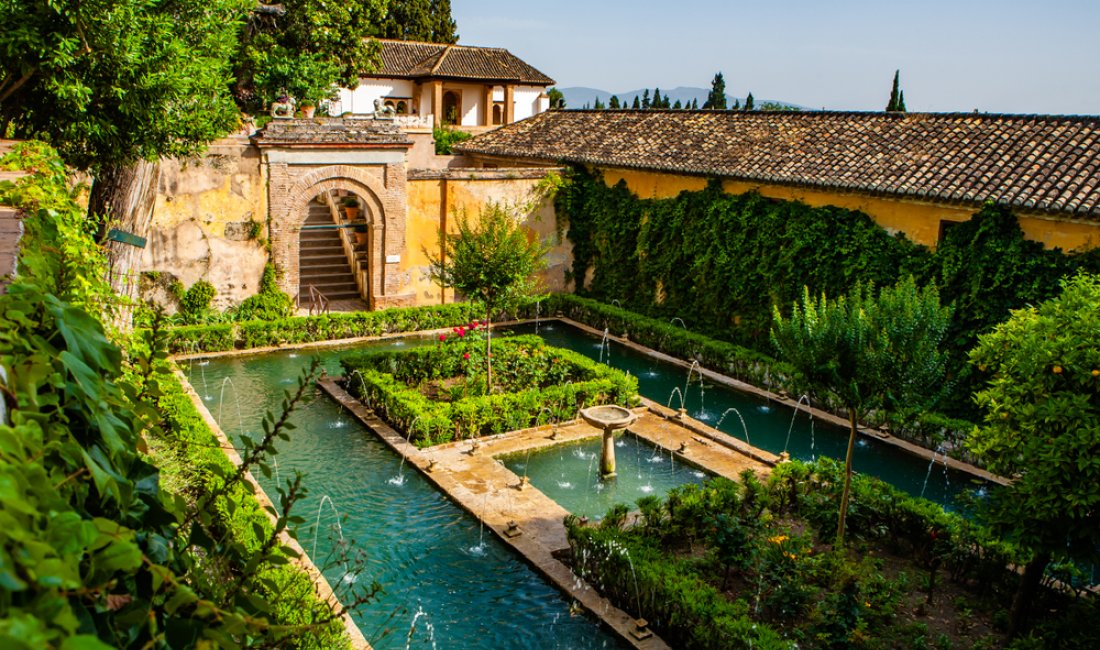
point(310, 329)
point(199, 464)
point(554, 385)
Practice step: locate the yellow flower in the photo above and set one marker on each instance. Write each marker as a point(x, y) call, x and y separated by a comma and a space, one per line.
point(778, 539)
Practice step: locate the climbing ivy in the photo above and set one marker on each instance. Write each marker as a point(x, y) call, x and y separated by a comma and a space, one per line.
point(722, 262)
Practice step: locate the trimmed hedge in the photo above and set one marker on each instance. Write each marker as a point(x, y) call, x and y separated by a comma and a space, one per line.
point(547, 384)
point(310, 329)
point(199, 452)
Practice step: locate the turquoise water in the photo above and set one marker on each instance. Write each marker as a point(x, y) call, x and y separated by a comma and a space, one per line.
point(768, 424)
point(463, 588)
point(569, 474)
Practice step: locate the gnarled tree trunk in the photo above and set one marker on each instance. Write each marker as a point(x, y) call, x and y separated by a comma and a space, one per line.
point(123, 197)
point(1025, 593)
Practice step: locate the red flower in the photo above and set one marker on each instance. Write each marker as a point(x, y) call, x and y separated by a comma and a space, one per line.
point(466, 355)
point(442, 337)
point(461, 333)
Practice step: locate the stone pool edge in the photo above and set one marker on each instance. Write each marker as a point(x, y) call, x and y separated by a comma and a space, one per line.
point(745, 387)
point(532, 550)
point(303, 561)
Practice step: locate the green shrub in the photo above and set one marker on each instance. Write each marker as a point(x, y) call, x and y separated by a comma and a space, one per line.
point(270, 303)
point(446, 137)
point(543, 384)
point(195, 302)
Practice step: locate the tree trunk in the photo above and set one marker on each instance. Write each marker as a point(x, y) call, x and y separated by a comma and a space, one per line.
point(123, 197)
point(1025, 593)
point(488, 351)
point(847, 478)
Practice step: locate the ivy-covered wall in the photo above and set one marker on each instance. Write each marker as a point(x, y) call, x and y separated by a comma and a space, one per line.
point(721, 261)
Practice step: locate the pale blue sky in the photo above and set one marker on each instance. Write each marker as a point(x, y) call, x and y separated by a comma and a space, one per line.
point(1009, 56)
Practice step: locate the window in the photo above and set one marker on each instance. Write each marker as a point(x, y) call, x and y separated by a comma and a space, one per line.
point(450, 107)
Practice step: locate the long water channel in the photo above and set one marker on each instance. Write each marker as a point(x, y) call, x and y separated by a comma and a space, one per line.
point(447, 583)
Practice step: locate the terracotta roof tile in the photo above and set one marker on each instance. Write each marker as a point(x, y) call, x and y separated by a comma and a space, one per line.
point(414, 60)
point(1039, 162)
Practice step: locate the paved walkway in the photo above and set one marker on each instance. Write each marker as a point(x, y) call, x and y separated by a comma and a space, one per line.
point(528, 520)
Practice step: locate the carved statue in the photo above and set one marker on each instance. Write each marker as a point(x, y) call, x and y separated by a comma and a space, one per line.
point(283, 108)
point(382, 111)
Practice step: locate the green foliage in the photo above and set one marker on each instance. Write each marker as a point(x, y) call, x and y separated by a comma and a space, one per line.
point(897, 97)
point(1042, 421)
point(93, 552)
point(446, 137)
point(750, 103)
point(307, 52)
point(58, 253)
point(270, 302)
point(716, 98)
point(115, 81)
point(557, 99)
point(428, 21)
point(865, 351)
point(309, 329)
point(195, 302)
point(723, 262)
point(540, 384)
point(749, 552)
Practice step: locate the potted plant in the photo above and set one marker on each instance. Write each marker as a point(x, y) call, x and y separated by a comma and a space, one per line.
point(308, 106)
point(361, 234)
point(351, 207)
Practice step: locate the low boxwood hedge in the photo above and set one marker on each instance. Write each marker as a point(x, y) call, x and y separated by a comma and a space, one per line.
point(541, 384)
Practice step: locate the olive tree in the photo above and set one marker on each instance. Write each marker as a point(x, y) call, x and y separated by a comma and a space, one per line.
point(865, 351)
point(1042, 429)
point(491, 260)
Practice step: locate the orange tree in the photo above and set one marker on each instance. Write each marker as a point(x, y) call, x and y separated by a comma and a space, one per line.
point(492, 261)
point(865, 351)
point(1042, 428)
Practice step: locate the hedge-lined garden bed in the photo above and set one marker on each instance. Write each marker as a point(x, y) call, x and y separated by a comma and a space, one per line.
point(437, 394)
point(751, 564)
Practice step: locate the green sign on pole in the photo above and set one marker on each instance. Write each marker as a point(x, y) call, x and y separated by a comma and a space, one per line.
point(126, 238)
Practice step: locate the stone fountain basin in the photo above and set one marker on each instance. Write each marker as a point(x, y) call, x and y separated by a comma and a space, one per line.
point(608, 417)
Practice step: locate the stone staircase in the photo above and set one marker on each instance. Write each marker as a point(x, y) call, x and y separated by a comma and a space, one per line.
point(321, 261)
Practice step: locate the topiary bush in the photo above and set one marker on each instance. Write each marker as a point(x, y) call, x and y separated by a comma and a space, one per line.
point(270, 303)
point(195, 302)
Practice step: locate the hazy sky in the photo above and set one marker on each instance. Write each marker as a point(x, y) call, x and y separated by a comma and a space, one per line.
point(1006, 56)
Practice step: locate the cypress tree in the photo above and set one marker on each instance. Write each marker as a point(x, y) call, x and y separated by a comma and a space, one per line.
point(677, 106)
point(613, 102)
point(443, 26)
point(599, 105)
point(657, 102)
point(695, 103)
point(716, 99)
point(749, 104)
point(897, 101)
point(645, 99)
point(737, 104)
point(637, 105)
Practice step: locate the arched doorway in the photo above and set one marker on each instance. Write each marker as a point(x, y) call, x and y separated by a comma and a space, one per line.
point(498, 114)
point(334, 242)
point(451, 107)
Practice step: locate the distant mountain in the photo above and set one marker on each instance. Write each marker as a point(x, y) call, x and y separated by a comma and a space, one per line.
point(578, 97)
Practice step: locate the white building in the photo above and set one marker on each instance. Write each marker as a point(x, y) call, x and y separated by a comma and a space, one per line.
point(456, 85)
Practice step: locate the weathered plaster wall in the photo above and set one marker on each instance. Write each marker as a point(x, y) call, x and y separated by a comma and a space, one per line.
point(920, 221)
point(202, 220)
point(436, 196)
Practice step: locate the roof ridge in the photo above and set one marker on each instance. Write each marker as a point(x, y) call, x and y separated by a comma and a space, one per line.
point(1046, 117)
point(442, 58)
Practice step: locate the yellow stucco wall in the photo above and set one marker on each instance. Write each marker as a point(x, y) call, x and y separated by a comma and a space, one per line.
point(197, 200)
point(920, 221)
point(433, 202)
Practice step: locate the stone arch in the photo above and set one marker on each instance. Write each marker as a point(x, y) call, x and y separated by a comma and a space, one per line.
point(289, 207)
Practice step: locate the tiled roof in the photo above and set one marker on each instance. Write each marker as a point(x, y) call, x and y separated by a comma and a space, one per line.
point(413, 60)
point(1035, 163)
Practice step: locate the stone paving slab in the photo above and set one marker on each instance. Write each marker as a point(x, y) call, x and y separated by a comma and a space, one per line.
point(471, 476)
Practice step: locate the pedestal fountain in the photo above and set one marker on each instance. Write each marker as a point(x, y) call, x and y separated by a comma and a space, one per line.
point(610, 419)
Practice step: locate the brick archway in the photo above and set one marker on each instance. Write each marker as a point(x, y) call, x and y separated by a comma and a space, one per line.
point(367, 158)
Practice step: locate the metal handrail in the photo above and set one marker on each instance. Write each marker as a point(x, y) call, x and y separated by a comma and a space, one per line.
point(318, 301)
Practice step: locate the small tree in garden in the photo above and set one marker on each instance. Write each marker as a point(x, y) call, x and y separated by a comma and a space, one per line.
point(865, 351)
point(1042, 428)
point(490, 260)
